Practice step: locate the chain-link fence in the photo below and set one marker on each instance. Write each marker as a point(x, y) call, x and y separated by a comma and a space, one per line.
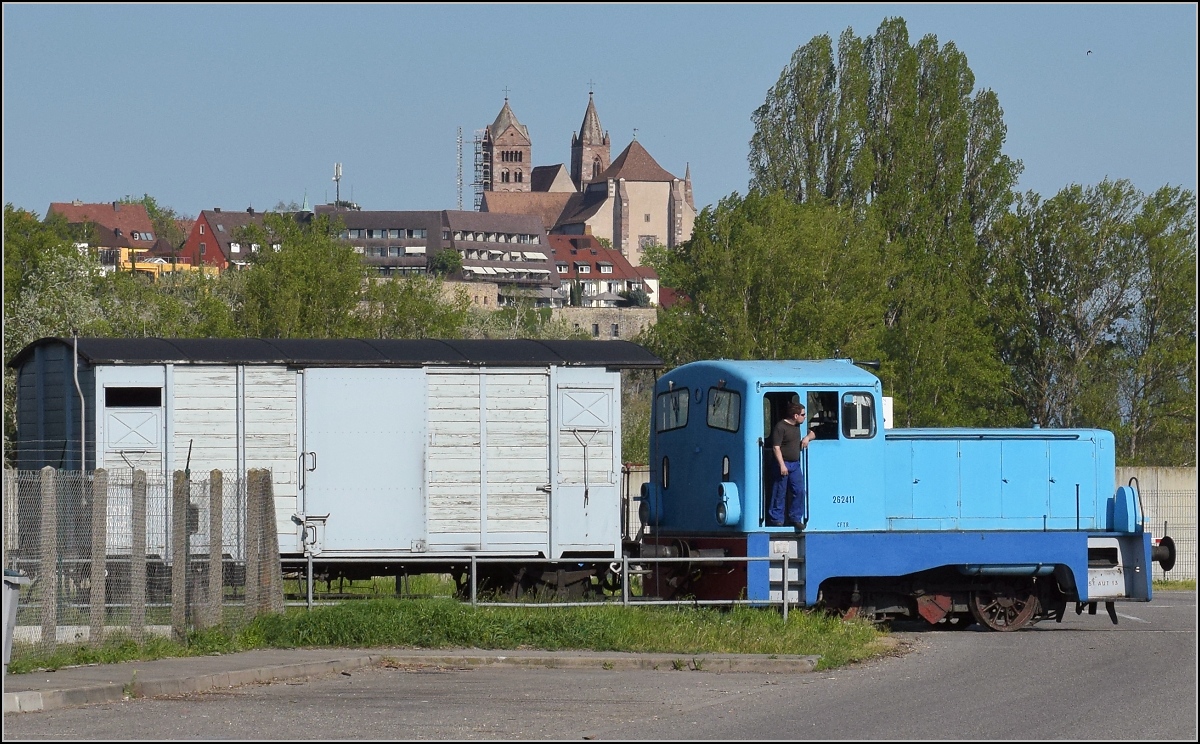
point(1173, 513)
point(131, 553)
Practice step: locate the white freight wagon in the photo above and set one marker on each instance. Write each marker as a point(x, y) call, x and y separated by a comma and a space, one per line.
point(380, 450)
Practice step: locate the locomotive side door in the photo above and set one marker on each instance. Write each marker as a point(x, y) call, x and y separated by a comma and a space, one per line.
point(841, 465)
point(585, 503)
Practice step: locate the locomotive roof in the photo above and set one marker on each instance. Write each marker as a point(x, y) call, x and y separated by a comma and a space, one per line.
point(352, 352)
point(769, 372)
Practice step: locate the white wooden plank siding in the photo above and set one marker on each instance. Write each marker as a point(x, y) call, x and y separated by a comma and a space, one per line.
point(453, 479)
point(205, 414)
point(272, 438)
point(518, 464)
point(485, 472)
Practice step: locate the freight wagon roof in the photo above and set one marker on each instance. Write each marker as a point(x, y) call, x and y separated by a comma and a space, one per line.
point(354, 352)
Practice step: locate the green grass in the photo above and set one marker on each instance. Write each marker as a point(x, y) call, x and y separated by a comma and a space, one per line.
point(446, 623)
point(1175, 585)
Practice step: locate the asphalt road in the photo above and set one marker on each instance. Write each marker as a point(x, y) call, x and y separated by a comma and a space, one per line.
point(1082, 679)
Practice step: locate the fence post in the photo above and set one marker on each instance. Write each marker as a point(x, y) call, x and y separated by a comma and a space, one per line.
point(179, 555)
point(10, 512)
point(137, 558)
point(473, 598)
point(253, 518)
point(99, 570)
point(272, 579)
point(625, 580)
point(216, 545)
point(48, 573)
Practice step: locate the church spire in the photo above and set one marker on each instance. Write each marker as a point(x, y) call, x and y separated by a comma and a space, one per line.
point(590, 132)
point(590, 148)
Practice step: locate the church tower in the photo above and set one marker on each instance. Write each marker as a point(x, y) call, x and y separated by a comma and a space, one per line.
point(589, 149)
point(509, 153)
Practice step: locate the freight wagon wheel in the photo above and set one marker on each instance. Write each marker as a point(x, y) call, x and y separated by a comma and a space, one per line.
point(1004, 608)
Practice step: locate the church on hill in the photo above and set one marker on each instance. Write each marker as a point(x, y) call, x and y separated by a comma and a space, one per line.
point(630, 200)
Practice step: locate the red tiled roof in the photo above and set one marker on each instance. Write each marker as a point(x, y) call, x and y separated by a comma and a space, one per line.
point(668, 297)
point(547, 206)
point(635, 164)
point(572, 249)
point(128, 218)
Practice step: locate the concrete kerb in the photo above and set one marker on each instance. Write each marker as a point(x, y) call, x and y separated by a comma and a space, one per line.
point(27, 701)
point(40, 700)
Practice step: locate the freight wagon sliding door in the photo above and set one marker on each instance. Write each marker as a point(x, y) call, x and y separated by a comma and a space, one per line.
point(362, 457)
point(586, 503)
point(488, 463)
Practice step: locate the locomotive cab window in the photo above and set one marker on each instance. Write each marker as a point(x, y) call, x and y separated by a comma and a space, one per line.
point(823, 414)
point(672, 410)
point(858, 415)
point(724, 409)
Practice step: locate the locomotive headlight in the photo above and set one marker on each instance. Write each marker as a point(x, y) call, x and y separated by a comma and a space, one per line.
point(729, 504)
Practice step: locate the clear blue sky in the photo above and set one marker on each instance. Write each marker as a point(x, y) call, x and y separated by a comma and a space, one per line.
point(206, 106)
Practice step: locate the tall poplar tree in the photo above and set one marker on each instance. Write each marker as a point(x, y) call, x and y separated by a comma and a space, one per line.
point(766, 278)
point(898, 130)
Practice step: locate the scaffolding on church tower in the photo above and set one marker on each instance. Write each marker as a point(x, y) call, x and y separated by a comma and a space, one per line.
point(483, 168)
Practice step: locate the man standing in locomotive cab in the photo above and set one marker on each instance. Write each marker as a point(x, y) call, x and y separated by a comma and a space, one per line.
point(787, 444)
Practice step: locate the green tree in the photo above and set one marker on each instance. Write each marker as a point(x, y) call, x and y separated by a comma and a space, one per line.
point(28, 241)
point(446, 262)
point(415, 307)
point(522, 318)
point(164, 219)
point(810, 134)
point(1141, 380)
point(57, 298)
point(303, 282)
point(892, 129)
point(1062, 286)
point(188, 305)
point(1158, 341)
point(636, 297)
point(771, 279)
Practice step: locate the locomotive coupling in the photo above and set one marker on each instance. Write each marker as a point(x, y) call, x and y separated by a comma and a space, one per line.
point(1162, 552)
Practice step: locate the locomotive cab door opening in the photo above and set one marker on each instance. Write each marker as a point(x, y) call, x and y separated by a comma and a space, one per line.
point(774, 409)
point(585, 513)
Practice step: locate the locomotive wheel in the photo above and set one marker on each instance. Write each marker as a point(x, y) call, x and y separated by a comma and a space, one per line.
point(1004, 609)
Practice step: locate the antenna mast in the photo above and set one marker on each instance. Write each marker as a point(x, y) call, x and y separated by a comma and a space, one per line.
point(337, 179)
point(460, 173)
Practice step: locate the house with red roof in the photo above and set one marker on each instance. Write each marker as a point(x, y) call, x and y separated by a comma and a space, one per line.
point(601, 274)
point(127, 225)
point(211, 242)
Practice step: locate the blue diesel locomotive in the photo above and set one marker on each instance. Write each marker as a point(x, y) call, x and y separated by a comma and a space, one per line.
point(1000, 527)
